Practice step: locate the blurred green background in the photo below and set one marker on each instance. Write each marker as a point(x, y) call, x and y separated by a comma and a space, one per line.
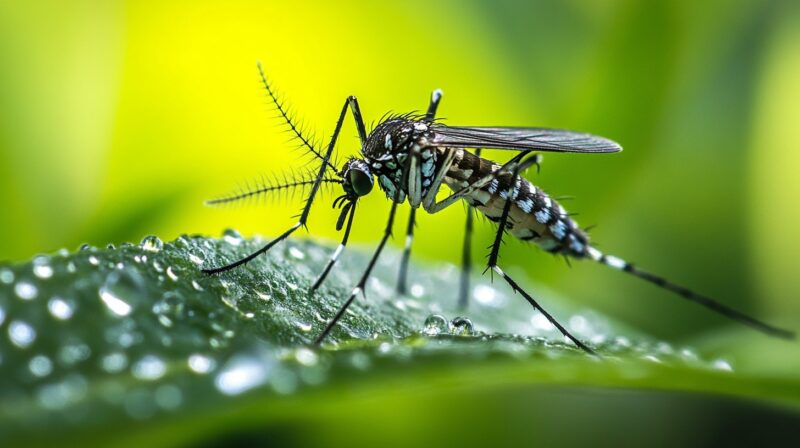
point(117, 119)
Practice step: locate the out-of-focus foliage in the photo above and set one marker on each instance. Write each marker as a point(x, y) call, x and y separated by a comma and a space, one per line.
point(124, 346)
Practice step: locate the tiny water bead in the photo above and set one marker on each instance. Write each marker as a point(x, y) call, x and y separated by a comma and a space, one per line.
point(152, 243)
point(232, 237)
point(42, 268)
point(21, 333)
point(25, 290)
point(6, 276)
point(60, 308)
point(435, 324)
point(462, 326)
point(40, 366)
point(119, 290)
point(201, 364)
point(149, 368)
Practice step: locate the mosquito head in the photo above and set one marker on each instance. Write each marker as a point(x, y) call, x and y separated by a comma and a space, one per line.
point(356, 178)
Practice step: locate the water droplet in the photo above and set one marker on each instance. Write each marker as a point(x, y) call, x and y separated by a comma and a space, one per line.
point(462, 326)
point(74, 353)
point(60, 308)
point(71, 268)
point(42, 268)
point(60, 395)
point(171, 274)
point(241, 374)
point(86, 246)
point(195, 259)
point(201, 364)
point(151, 243)
point(579, 324)
point(114, 362)
point(484, 294)
point(296, 253)
point(21, 333)
point(110, 246)
point(40, 366)
point(25, 290)
point(723, 365)
point(306, 357)
point(417, 290)
point(304, 327)
point(435, 325)
point(93, 260)
point(119, 289)
point(149, 368)
point(6, 276)
point(232, 237)
point(168, 397)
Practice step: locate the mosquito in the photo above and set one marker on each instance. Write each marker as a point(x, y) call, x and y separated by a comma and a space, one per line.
point(413, 155)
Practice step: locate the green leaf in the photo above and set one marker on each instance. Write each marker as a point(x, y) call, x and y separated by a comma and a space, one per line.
point(134, 345)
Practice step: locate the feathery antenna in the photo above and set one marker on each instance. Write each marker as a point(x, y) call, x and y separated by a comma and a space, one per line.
point(284, 183)
point(296, 130)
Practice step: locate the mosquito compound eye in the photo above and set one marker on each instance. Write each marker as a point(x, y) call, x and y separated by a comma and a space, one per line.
point(361, 182)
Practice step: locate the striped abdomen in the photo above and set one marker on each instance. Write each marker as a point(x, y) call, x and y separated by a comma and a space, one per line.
point(534, 216)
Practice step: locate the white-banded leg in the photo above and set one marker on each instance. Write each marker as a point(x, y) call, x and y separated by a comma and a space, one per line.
point(493, 256)
point(402, 278)
point(466, 255)
point(350, 210)
point(359, 288)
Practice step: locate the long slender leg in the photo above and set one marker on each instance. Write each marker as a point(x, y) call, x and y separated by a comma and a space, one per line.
point(352, 103)
point(403, 276)
point(496, 268)
point(338, 251)
point(436, 97)
point(466, 256)
point(359, 288)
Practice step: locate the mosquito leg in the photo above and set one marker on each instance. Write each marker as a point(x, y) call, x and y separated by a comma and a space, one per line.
point(359, 288)
point(466, 256)
point(352, 103)
point(403, 276)
point(496, 268)
point(338, 251)
point(436, 97)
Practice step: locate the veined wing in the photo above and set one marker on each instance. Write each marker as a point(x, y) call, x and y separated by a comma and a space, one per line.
point(521, 139)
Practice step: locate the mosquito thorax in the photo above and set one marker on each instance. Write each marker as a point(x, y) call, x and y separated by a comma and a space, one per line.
point(387, 149)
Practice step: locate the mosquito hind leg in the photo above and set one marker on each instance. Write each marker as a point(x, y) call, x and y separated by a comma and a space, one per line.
point(402, 278)
point(494, 254)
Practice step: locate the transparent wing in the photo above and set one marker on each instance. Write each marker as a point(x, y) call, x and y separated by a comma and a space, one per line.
point(521, 139)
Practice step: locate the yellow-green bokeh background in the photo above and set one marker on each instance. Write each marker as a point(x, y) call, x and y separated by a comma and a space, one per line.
point(118, 118)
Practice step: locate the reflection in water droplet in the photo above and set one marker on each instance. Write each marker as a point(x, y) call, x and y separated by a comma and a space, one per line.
point(94, 261)
point(42, 268)
point(306, 357)
point(297, 253)
point(21, 333)
point(118, 289)
point(25, 290)
point(85, 247)
point(60, 308)
point(59, 395)
point(152, 243)
point(40, 366)
point(461, 326)
point(168, 397)
point(484, 294)
point(417, 290)
point(723, 365)
point(241, 374)
point(149, 368)
point(435, 325)
point(201, 364)
point(232, 237)
point(171, 273)
point(6, 276)
point(74, 353)
point(114, 362)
